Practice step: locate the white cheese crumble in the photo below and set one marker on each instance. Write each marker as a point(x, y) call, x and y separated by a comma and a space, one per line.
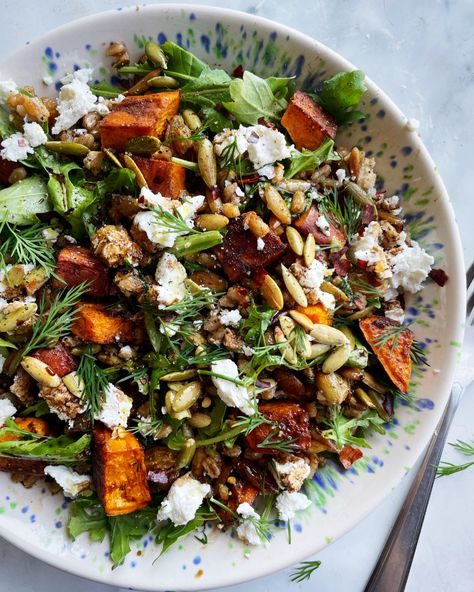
point(230, 318)
point(395, 314)
point(341, 175)
point(50, 235)
point(247, 350)
point(183, 500)
point(170, 275)
point(288, 503)
point(7, 409)
point(262, 144)
point(125, 352)
point(247, 530)
point(367, 248)
point(311, 281)
point(2, 358)
point(17, 146)
point(233, 395)
point(410, 268)
point(115, 409)
point(260, 244)
point(291, 475)
point(323, 225)
point(71, 483)
point(149, 200)
point(268, 171)
point(75, 100)
point(7, 88)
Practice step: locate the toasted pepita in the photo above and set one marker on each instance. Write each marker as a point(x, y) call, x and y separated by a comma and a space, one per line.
point(14, 314)
point(293, 287)
point(111, 156)
point(186, 396)
point(211, 221)
point(142, 145)
point(156, 55)
point(337, 358)
point(163, 82)
point(271, 293)
point(276, 204)
point(301, 319)
point(295, 240)
point(40, 371)
point(191, 119)
point(332, 388)
point(74, 384)
point(132, 165)
point(69, 148)
point(328, 335)
point(199, 420)
point(207, 163)
point(177, 376)
point(309, 250)
point(335, 291)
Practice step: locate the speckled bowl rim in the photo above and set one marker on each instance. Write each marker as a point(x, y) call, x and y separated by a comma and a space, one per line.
point(456, 274)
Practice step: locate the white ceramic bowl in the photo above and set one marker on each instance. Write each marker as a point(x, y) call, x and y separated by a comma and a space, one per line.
point(34, 520)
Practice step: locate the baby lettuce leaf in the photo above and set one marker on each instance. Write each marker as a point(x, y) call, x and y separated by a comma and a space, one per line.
point(20, 202)
point(6, 128)
point(307, 159)
point(211, 87)
point(169, 533)
point(182, 63)
point(214, 120)
point(340, 94)
point(252, 98)
point(87, 515)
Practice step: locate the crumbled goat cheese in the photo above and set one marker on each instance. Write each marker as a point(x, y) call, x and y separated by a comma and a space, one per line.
point(288, 504)
point(7, 409)
point(149, 200)
point(392, 202)
point(125, 352)
point(262, 144)
point(323, 225)
point(239, 192)
point(50, 235)
point(311, 282)
point(147, 223)
point(101, 107)
point(268, 171)
point(75, 100)
point(170, 275)
point(16, 147)
point(183, 500)
point(233, 395)
point(72, 483)
point(230, 318)
point(2, 358)
point(410, 268)
point(34, 134)
point(367, 248)
point(7, 88)
point(247, 531)
point(260, 244)
point(291, 475)
point(115, 409)
point(247, 350)
point(412, 124)
point(341, 175)
point(395, 314)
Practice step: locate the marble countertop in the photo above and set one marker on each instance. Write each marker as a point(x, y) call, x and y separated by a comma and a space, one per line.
point(421, 54)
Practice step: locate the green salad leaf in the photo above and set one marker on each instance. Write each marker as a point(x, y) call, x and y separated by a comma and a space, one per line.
point(6, 128)
point(21, 202)
point(169, 533)
point(182, 63)
point(61, 449)
point(342, 429)
point(211, 87)
point(253, 98)
point(311, 159)
point(214, 120)
point(87, 515)
point(340, 94)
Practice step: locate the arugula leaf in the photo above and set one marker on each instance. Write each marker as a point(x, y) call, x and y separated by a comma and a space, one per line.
point(341, 428)
point(6, 128)
point(61, 449)
point(87, 515)
point(5, 343)
point(252, 98)
point(341, 93)
point(169, 533)
point(307, 159)
point(20, 202)
point(214, 120)
point(211, 87)
point(118, 180)
point(182, 63)
point(254, 326)
point(104, 89)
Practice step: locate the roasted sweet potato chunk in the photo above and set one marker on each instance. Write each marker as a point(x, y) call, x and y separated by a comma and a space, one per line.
point(394, 352)
point(98, 324)
point(316, 312)
point(293, 427)
point(307, 123)
point(76, 265)
point(145, 115)
point(306, 224)
point(349, 455)
point(118, 471)
point(25, 466)
point(163, 176)
point(239, 255)
point(240, 493)
point(59, 359)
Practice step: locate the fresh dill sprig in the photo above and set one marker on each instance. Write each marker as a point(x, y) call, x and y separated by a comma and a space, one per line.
point(173, 223)
point(304, 571)
point(26, 246)
point(417, 354)
point(275, 442)
point(346, 211)
point(230, 158)
point(95, 381)
point(341, 429)
point(147, 426)
point(372, 293)
point(390, 336)
point(55, 322)
point(446, 468)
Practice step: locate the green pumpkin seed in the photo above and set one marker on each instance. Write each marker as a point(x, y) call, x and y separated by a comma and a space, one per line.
point(111, 156)
point(337, 358)
point(132, 165)
point(293, 287)
point(69, 148)
point(163, 82)
point(156, 55)
point(186, 454)
point(142, 145)
point(332, 388)
point(192, 120)
point(364, 397)
point(328, 335)
point(199, 420)
point(14, 314)
point(207, 163)
point(186, 396)
point(177, 376)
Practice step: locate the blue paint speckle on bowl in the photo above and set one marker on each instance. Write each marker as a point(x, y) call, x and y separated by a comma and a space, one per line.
point(162, 38)
point(58, 524)
point(407, 447)
point(33, 518)
point(179, 39)
point(368, 139)
point(197, 560)
point(133, 564)
point(374, 101)
point(206, 43)
point(424, 404)
point(381, 114)
point(297, 526)
point(88, 46)
point(368, 153)
point(406, 150)
point(192, 17)
point(24, 510)
point(377, 461)
point(393, 164)
point(53, 67)
point(184, 567)
point(48, 52)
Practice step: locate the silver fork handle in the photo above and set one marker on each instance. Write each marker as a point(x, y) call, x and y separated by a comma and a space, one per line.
point(393, 566)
